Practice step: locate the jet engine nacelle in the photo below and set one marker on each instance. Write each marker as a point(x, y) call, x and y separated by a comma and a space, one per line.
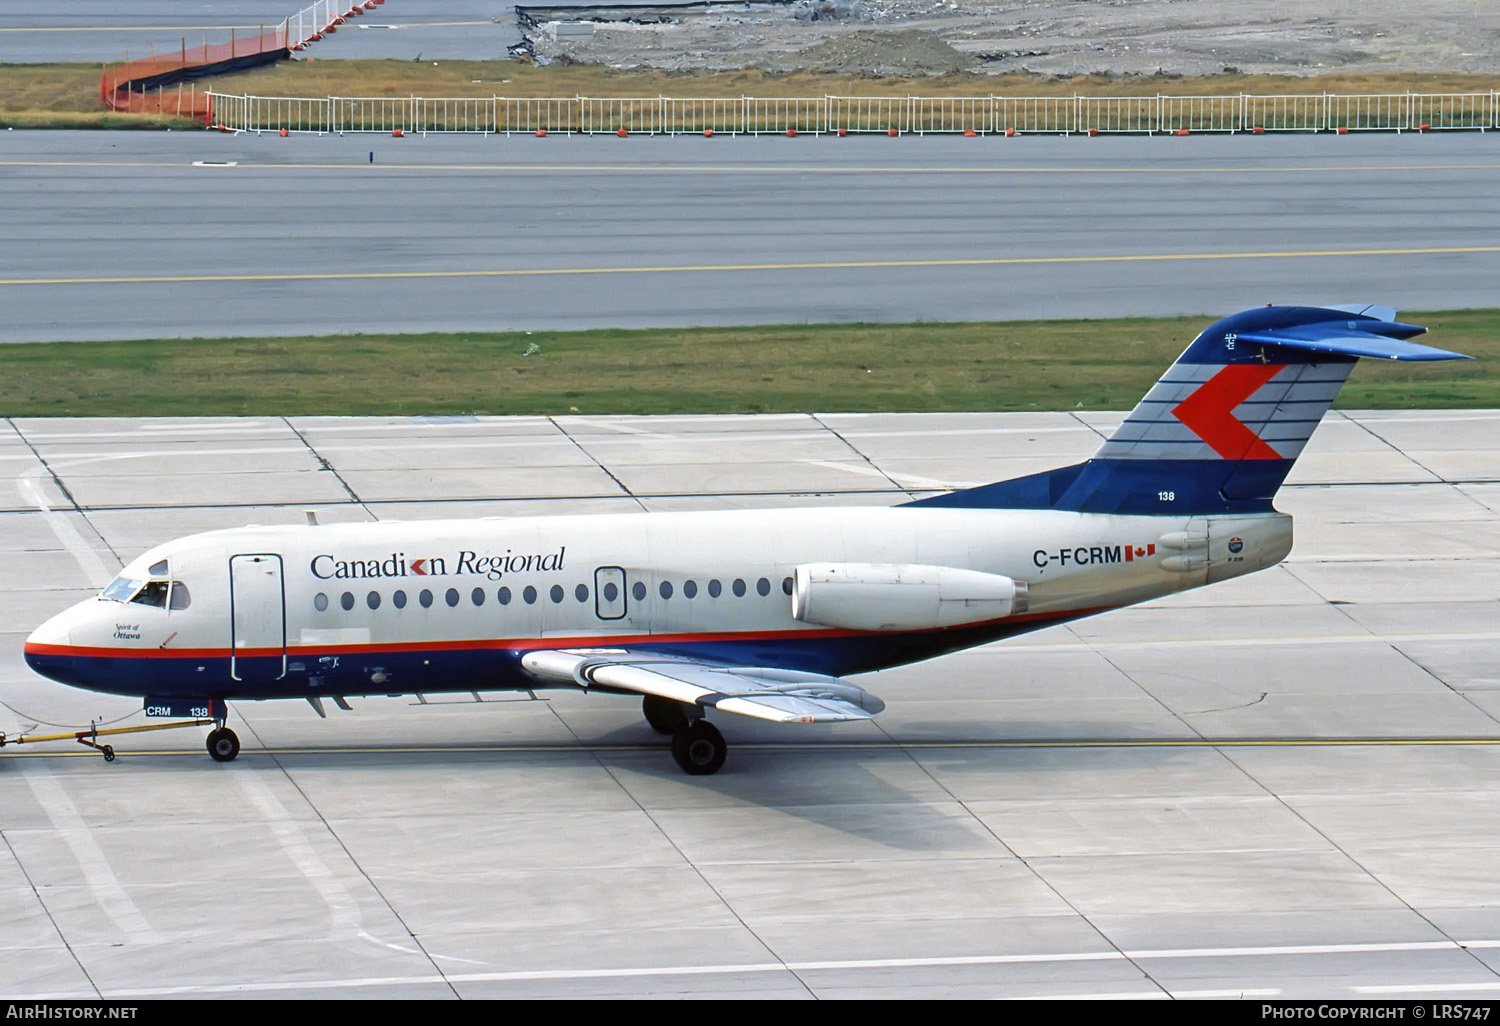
point(901, 596)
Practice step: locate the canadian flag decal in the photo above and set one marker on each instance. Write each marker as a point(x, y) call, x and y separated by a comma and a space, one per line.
point(1134, 552)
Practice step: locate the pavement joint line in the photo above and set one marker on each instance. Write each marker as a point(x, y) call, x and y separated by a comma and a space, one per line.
point(917, 482)
point(625, 492)
point(843, 965)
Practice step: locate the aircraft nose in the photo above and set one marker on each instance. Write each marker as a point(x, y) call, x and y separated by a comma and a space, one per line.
point(46, 648)
point(53, 632)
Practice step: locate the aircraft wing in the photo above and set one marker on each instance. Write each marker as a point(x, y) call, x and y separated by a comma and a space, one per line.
point(767, 693)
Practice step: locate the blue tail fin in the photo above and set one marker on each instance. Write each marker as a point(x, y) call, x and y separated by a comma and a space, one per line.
point(1220, 431)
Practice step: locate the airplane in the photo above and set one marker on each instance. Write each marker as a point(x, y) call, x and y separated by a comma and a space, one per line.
point(755, 613)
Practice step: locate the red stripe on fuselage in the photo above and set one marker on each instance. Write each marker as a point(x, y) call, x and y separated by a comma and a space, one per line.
point(529, 644)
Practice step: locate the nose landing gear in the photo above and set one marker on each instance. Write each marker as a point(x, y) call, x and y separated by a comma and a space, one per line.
point(222, 743)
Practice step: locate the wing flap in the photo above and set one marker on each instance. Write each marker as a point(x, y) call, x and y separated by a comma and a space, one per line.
point(763, 692)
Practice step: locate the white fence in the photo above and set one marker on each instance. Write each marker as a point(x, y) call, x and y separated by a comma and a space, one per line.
point(312, 23)
point(748, 115)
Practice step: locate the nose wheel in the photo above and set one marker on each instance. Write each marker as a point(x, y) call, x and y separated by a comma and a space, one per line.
point(698, 747)
point(222, 744)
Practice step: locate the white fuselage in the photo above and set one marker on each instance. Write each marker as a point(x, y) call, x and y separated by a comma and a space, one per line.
point(452, 605)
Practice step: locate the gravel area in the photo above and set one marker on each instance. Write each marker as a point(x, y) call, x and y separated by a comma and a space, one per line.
point(1049, 37)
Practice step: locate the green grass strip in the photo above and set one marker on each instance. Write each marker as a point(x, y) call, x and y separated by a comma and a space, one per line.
point(1014, 365)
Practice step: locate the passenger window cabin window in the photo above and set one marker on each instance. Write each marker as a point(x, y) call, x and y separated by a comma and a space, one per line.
point(763, 587)
point(504, 596)
point(690, 589)
point(346, 601)
point(557, 593)
point(399, 600)
point(581, 593)
point(320, 602)
point(715, 589)
point(477, 597)
point(373, 600)
point(425, 598)
point(738, 588)
point(451, 597)
point(638, 589)
point(529, 595)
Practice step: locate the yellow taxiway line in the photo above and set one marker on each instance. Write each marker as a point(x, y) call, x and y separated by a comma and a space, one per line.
point(829, 265)
point(825, 746)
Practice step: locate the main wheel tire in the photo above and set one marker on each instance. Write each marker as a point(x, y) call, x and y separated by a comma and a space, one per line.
point(664, 715)
point(222, 744)
point(699, 748)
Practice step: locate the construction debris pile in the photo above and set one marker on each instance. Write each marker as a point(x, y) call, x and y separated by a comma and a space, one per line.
point(1049, 37)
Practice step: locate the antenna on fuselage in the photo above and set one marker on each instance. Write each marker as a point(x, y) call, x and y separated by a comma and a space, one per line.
point(312, 517)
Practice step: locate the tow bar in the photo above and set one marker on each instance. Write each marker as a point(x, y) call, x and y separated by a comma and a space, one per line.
point(90, 738)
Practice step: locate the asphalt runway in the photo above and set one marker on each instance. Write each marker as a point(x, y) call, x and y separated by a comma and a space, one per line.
point(111, 30)
point(135, 235)
point(1282, 786)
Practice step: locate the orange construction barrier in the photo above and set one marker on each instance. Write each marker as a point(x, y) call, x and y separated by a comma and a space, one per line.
point(140, 86)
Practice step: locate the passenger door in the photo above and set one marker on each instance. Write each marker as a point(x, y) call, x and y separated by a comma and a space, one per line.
point(257, 616)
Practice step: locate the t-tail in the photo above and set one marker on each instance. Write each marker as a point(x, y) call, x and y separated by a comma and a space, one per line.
point(1221, 429)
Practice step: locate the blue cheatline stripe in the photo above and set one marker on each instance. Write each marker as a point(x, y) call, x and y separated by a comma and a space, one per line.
point(483, 667)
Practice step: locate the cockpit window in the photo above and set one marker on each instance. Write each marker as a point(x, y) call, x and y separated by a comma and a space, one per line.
point(121, 588)
point(161, 594)
point(153, 594)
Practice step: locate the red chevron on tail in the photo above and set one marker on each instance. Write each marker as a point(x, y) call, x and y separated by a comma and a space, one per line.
point(1209, 411)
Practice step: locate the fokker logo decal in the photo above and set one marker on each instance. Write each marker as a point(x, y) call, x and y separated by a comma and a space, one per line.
point(1209, 412)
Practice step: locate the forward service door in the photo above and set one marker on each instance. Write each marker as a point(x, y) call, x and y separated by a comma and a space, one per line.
point(257, 616)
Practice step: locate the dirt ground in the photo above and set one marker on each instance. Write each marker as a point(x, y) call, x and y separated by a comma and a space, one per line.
point(1062, 38)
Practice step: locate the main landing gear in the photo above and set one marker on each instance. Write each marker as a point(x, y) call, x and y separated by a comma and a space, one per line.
point(697, 744)
point(664, 715)
point(222, 743)
point(699, 748)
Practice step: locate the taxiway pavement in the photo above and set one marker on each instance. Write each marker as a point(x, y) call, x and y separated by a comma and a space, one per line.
point(1277, 787)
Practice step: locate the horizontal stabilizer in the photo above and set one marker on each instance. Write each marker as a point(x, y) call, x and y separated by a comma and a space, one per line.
point(1388, 340)
point(764, 692)
point(1375, 310)
point(1220, 430)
